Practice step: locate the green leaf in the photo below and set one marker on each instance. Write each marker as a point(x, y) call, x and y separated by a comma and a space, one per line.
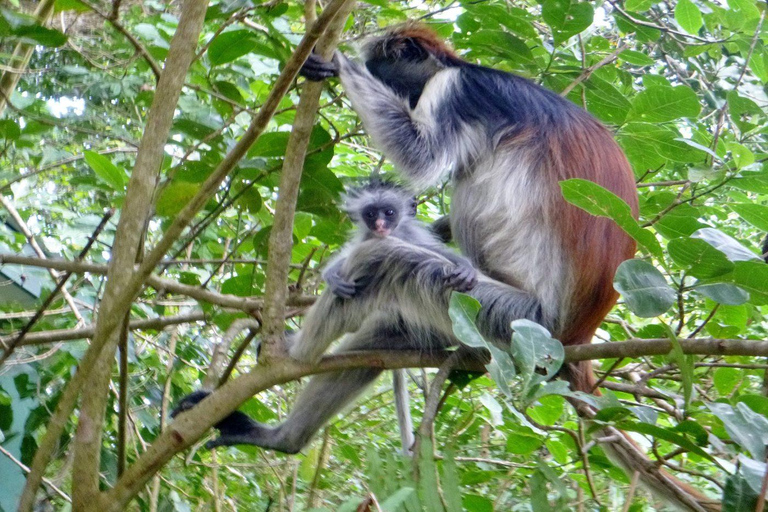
point(605, 101)
point(726, 379)
point(638, 5)
point(539, 493)
point(725, 244)
point(644, 288)
point(523, 443)
point(396, 501)
point(755, 214)
point(741, 154)
point(566, 18)
point(695, 430)
point(9, 129)
point(475, 503)
point(684, 363)
point(753, 472)
point(463, 310)
point(699, 257)
point(596, 200)
point(636, 58)
point(747, 428)
point(270, 144)
point(657, 104)
point(108, 172)
point(737, 495)
point(649, 146)
point(450, 482)
point(175, 197)
point(752, 276)
point(688, 16)
point(71, 5)
point(665, 434)
point(723, 293)
point(231, 45)
point(503, 44)
point(430, 498)
point(532, 348)
point(745, 113)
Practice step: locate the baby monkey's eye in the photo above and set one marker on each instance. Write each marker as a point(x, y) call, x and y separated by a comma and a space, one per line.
point(389, 212)
point(370, 214)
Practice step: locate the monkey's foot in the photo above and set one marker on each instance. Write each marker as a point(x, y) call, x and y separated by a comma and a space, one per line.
point(239, 428)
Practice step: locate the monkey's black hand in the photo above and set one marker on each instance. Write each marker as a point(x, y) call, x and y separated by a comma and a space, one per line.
point(340, 286)
point(317, 70)
point(462, 278)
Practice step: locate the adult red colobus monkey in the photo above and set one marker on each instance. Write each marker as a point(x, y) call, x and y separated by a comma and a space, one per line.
point(506, 143)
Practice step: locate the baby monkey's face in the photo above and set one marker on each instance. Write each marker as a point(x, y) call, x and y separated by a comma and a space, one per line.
point(381, 219)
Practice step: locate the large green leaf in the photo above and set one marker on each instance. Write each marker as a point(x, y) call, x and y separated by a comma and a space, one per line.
point(751, 276)
point(503, 44)
point(747, 428)
point(755, 214)
point(688, 16)
point(725, 244)
point(532, 348)
point(108, 172)
point(737, 495)
point(644, 288)
point(658, 104)
point(231, 45)
point(463, 310)
point(699, 257)
point(596, 200)
point(566, 18)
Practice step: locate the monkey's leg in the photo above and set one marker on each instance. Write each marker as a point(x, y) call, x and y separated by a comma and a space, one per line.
point(326, 394)
point(325, 322)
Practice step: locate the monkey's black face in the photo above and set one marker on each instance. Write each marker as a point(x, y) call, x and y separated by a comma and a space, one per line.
point(404, 66)
point(381, 219)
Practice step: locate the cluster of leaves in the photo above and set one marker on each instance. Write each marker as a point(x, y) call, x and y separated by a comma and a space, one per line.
point(681, 84)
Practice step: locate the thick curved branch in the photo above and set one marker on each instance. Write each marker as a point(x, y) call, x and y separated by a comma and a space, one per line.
point(189, 427)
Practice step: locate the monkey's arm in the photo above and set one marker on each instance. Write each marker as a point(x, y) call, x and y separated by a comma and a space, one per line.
point(420, 141)
point(340, 286)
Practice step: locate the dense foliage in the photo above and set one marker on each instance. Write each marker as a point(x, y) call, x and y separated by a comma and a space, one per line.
point(683, 86)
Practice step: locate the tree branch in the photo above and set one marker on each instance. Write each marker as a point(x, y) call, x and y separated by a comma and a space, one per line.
point(281, 236)
point(246, 304)
point(97, 363)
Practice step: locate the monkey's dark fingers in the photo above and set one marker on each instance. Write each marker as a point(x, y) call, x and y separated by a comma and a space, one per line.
point(344, 289)
point(317, 70)
point(362, 283)
point(189, 401)
point(462, 279)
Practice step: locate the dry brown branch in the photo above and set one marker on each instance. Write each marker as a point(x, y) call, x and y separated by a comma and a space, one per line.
point(247, 304)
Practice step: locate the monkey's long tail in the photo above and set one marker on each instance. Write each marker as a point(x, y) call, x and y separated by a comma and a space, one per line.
point(623, 451)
